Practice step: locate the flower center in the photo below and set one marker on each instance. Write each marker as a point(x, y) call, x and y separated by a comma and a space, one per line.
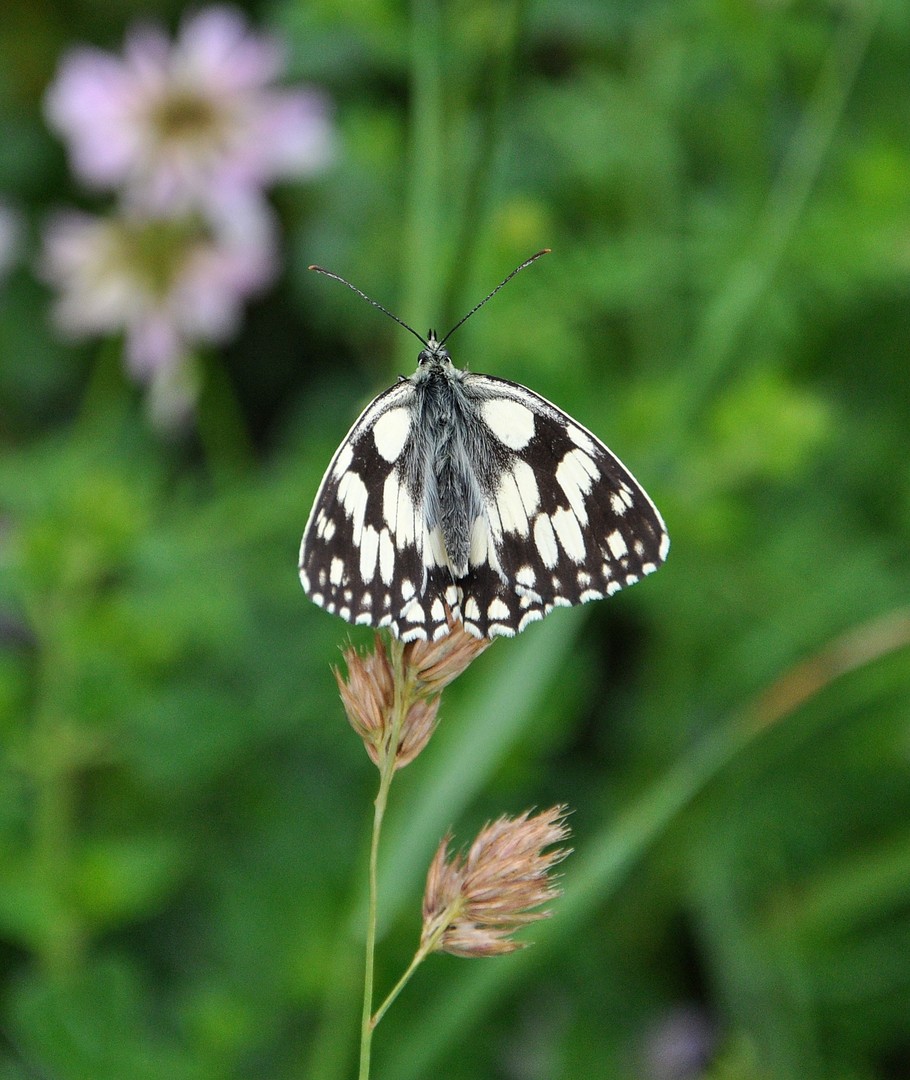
point(153, 252)
point(187, 117)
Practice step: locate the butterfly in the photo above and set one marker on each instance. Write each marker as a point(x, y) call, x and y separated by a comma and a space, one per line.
point(462, 496)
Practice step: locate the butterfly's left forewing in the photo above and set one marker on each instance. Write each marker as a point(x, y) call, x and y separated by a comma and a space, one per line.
point(565, 522)
point(365, 548)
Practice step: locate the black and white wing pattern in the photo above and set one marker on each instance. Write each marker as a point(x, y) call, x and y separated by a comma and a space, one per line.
point(471, 494)
point(362, 554)
point(564, 521)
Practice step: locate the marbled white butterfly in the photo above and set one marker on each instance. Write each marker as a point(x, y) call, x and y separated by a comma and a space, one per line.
point(470, 494)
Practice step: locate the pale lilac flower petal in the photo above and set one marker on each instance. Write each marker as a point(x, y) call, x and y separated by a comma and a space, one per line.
point(185, 125)
point(216, 45)
point(296, 134)
point(89, 104)
point(153, 345)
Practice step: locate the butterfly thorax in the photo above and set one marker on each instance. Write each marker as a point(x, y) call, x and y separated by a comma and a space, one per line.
point(444, 416)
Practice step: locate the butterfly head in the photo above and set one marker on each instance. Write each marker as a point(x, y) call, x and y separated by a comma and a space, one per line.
point(435, 353)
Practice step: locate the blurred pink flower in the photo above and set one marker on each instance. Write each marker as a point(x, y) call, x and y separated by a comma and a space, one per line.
point(167, 283)
point(190, 124)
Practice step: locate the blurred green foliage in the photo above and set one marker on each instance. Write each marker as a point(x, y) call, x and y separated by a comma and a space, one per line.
point(183, 811)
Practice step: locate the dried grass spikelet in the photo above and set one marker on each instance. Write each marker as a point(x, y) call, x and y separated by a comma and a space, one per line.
point(436, 663)
point(409, 679)
point(474, 902)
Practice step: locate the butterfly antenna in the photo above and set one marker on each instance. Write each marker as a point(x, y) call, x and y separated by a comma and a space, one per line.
point(369, 300)
point(505, 281)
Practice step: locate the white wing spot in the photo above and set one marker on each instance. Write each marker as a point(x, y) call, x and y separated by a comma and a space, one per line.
point(369, 550)
point(617, 544)
point(525, 576)
point(511, 422)
point(648, 568)
point(434, 549)
point(497, 609)
point(329, 530)
point(510, 504)
point(304, 581)
point(414, 613)
point(336, 571)
point(618, 504)
point(390, 432)
point(545, 539)
point(576, 475)
point(480, 542)
point(664, 546)
point(438, 611)
point(352, 494)
point(581, 439)
point(567, 529)
point(527, 486)
point(407, 589)
point(318, 598)
point(471, 610)
point(589, 594)
point(386, 558)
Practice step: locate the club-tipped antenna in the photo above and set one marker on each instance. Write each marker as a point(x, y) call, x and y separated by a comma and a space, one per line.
point(489, 296)
point(369, 300)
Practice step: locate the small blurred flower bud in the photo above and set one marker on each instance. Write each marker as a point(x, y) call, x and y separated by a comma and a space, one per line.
point(474, 903)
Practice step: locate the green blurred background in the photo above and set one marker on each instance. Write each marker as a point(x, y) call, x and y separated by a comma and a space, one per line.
point(725, 185)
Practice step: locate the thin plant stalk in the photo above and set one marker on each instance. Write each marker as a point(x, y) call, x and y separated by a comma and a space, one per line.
point(422, 953)
point(387, 773)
